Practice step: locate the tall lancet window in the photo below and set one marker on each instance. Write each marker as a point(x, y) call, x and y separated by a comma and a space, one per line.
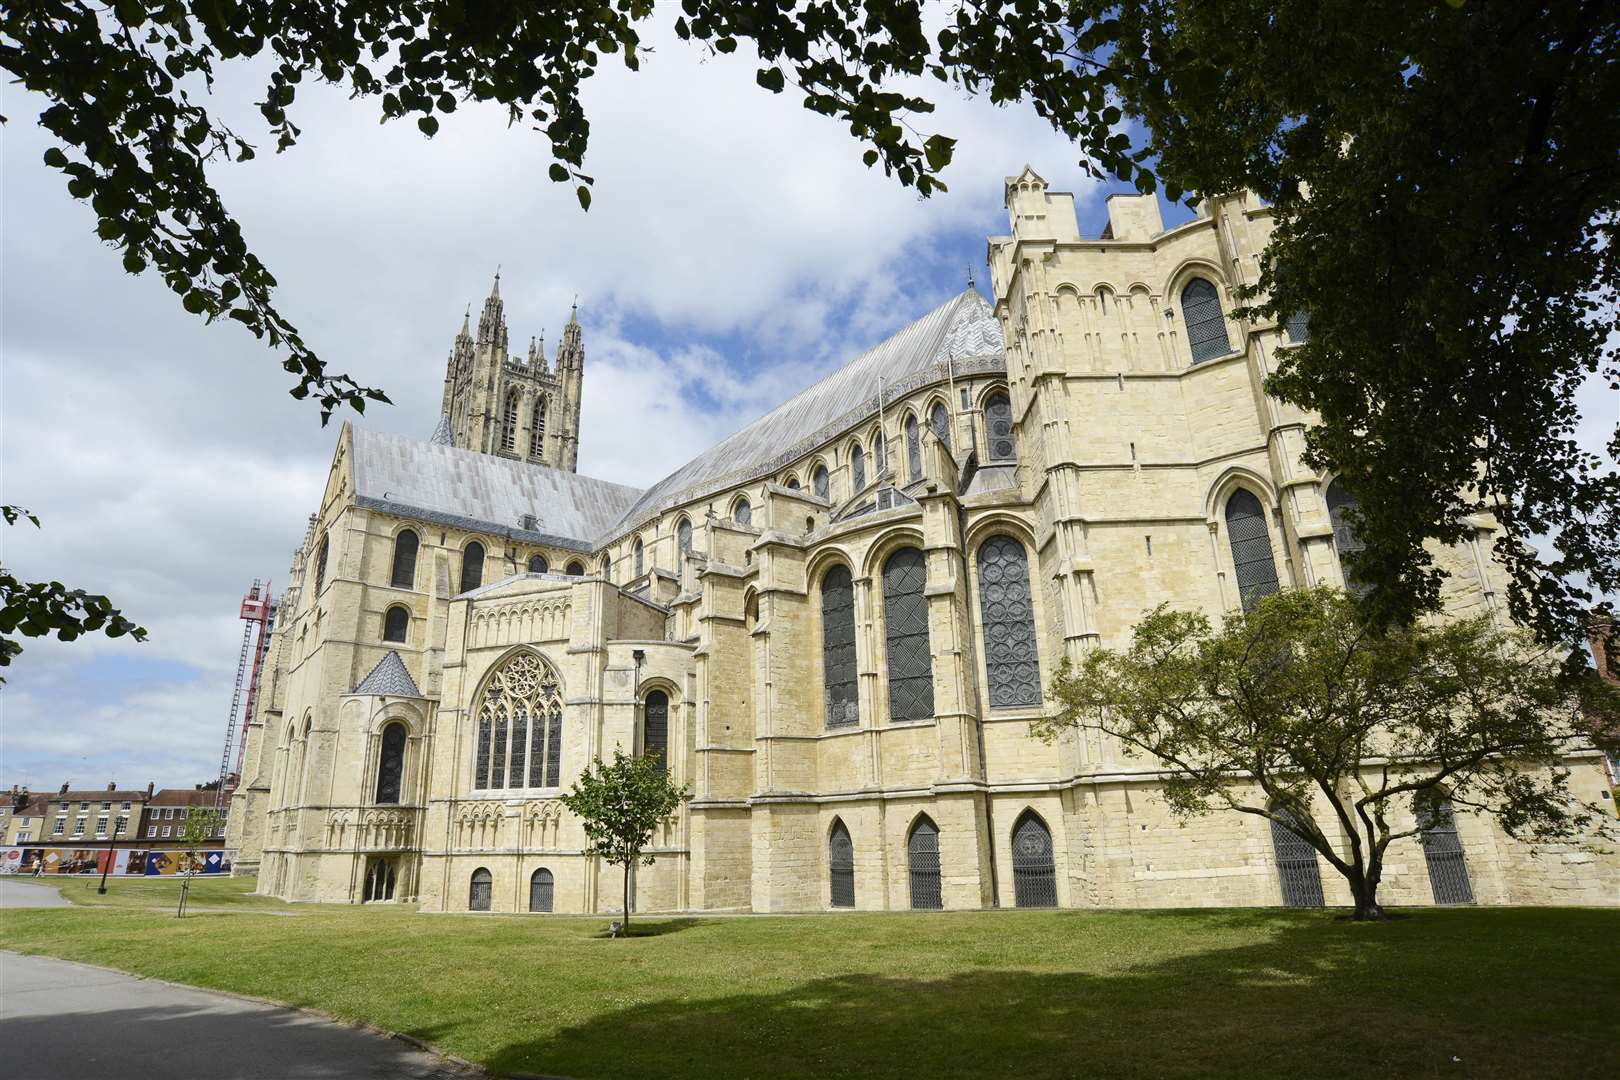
point(519, 728)
point(509, 422)
point(914, 447)
point(940, 420)
point(857, 467)
point(537, 431)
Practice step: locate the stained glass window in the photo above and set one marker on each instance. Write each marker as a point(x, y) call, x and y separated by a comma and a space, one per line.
point(1011, 659)
point(1206, 326)
point(520, 726)
point(905, 617)
point(840, 687)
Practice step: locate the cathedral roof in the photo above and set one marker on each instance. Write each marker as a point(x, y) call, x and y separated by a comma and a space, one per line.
point(962, 331)
point(465, 489)
point(389, 679)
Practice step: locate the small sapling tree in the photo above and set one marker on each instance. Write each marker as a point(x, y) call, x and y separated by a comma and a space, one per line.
point(620, 804)
point(199, 827)
point(1299, 705)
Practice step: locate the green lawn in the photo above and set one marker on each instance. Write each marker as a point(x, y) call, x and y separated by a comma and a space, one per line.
point(143, 892)
point(1443, 993)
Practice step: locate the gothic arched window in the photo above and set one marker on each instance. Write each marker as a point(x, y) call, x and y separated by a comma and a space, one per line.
point(793, 483)
point(905, 621)
point(655, 727)
point(1346, 537)
point(998, 428)
point(1034, 876)
point(404, 571)
point(396, 623)
point(880, 453)
point(683, 538)
point(1298, 327)
point(922, 859)
point(820, 483)
point(841, 866)
point(1297, 868)
point(640, 551)
point(839, 681)
point(391, 763)
point(914, 447)
point(509, 422)
point(1251, 547)
point(1011, 660)
point(1443, 852)
point(857, 467)
point(575, 568)
point(1206, 326)
point(472, 567)
point(320, 562)
point(519, 726)
point(743, 512)
point(538, 564)
point(479, 891)
point(606, 569)
point(537, 431)
point(940, 421)
point(542, 888)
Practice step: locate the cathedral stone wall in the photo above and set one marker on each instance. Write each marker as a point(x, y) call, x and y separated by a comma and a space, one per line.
point(1069, 423)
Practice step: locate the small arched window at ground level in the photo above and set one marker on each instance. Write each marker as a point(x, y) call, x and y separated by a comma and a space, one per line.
point(1250, 538)
point(380, 878)
point(1034, 874)
point(472, 567)
point(403, 574)
point(1297, 868)
point(542, 889)
point(998, 427)
point(1443, 852)
point(655, 727)
point(538, 564)
point(922, 858)
point(1206, 325)
point(396, 623)
point(391, 763)
point(480, 890)
point(841, 866)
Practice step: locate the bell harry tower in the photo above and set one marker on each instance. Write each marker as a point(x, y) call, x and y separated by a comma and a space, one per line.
point(522, 408)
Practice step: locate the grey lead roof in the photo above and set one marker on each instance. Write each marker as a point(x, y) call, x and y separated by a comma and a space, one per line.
point(961, 330)
point(463, 488)
point(434, 482)
point(389, 679)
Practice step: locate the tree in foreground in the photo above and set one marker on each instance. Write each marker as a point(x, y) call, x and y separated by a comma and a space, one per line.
point(620, 804)
point(1300, 705)
point(199, 827)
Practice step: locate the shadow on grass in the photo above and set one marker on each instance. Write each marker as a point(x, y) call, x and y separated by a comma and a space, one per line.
point(655, 927)
point(1317, 999)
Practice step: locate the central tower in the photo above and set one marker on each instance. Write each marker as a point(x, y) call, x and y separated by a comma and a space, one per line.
point(521, 408)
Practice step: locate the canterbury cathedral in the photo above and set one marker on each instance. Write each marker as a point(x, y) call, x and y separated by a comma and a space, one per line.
point(834, 626)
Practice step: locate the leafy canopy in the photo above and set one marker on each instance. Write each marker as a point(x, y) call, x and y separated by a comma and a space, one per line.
point(620, 804)
point(1302, 706)
point(1445, 179)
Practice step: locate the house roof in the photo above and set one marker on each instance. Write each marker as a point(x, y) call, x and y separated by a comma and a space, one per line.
point(181, 797)
point(961, 333)
point(96, 795)
point(466, 489)
point(389, 679)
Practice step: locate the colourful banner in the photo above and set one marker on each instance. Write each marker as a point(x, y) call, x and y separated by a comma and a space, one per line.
point(30, 861)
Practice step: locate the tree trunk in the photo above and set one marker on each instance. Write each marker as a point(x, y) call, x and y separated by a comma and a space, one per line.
point(1365, 890)
point(627, 865)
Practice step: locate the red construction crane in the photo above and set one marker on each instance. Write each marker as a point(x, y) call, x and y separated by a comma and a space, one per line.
point(258, 620)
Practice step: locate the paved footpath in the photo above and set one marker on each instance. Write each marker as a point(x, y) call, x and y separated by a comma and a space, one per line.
point(19, 893)
point(64, 1021)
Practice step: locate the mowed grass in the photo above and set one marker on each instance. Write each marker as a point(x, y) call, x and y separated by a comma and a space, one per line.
point(157, 892)
point(1440, 993)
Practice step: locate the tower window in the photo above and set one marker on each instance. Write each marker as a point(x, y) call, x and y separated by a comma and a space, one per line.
point(396, 623)
point(391, 763)
point(404, 569)
point(1011, 659)
point(999, 428)
point(1246, 531)
point(537, 431)
point(655, 727)
point(472, 567)
point(509, 422)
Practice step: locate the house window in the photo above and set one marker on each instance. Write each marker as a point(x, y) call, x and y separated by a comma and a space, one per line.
point(320, 562)
point(472, 567)
point(998, 427)
point(914, 447)
point(78, 826)
point(841, 866)
point(1034, 876)
point(123, 806)
point(120, 825)
point(1250, 538)
point(151, 831)
point(542, 889)
point(404, 571)
point(391, 763)
point(1206, 326)
point(396, 623)
point(101, 827)
point(1011, 659)
point(839, 681)
point(940, 421)
point(922, 859)
point(520, 727)
point(820, 483)
point(905, 618)
point(479, 891)
point(60, 827)
point(655, 727)
point(165, 831)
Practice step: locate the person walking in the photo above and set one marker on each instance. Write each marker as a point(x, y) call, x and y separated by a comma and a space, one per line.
point(39, 866)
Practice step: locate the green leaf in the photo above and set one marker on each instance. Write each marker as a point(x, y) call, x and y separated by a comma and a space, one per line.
point(939, 149)
point(584, 194)
point(559, 173)
point(429, 125)
point(771, 78)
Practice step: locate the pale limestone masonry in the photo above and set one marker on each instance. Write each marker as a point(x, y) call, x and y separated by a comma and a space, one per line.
point(708, 589)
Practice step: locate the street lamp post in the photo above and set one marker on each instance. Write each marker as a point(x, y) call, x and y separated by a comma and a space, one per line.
point(106, 866)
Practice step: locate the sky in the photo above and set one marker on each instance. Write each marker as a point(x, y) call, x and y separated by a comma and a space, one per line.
point(735, 250)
